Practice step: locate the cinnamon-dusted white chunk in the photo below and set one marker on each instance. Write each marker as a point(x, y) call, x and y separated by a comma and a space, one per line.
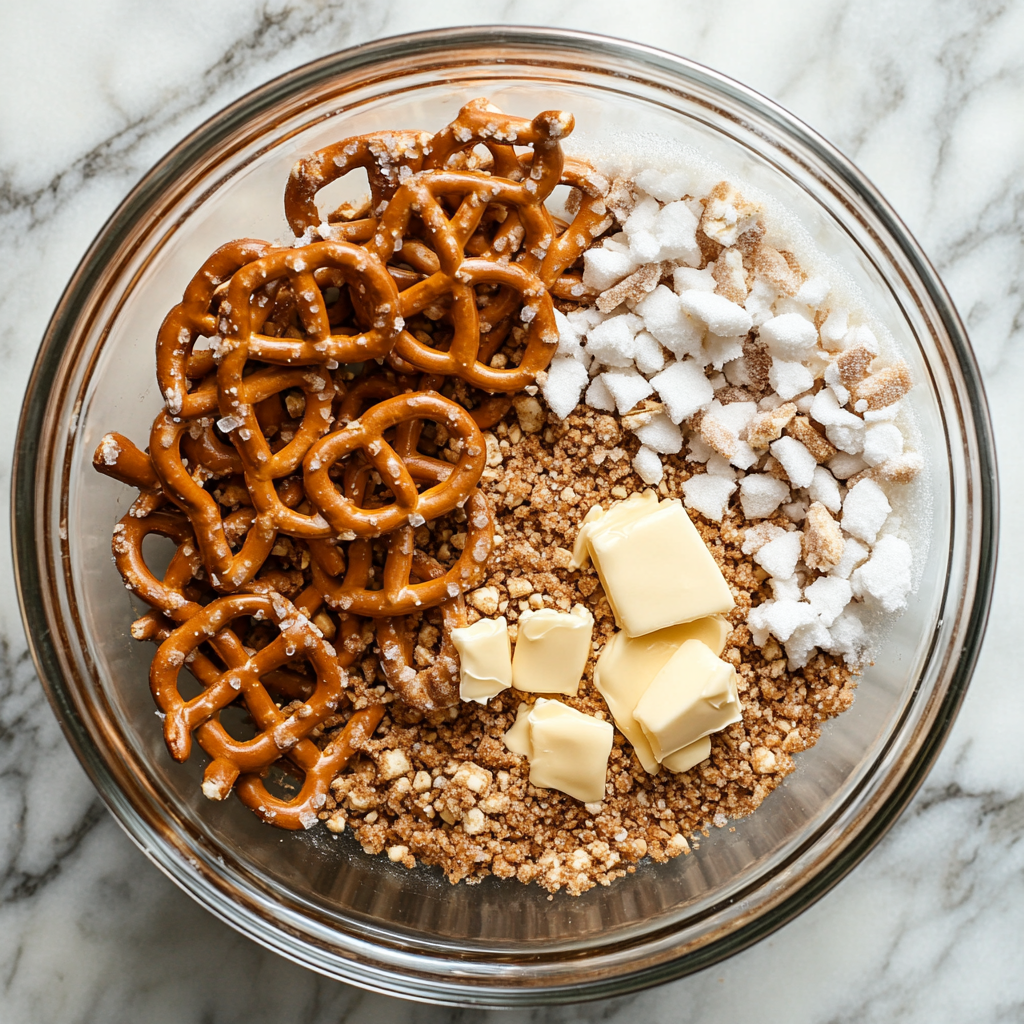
point(823, 539)
point(692, 696)
point(767, 426)
point(883, 388)
point(567, 749)
point(485, 659)
point(853, 365)
point(901, 469)
point(628, 665)
point(655, 569)
point(727, 214)
point(730, 276)
point(632, 288)
point(774, 266)
point(551, 650)
point(819, 446)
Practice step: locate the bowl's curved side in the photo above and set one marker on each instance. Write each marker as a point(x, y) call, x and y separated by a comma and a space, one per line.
point(46, 433)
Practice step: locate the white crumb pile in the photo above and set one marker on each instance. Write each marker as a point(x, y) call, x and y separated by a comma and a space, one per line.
point(770, 380)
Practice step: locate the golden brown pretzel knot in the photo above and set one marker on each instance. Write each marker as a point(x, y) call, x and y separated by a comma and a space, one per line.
point(480, 122)
point(194, 317)
point(383, 155)
point(228, 570)
point(366, 435)
point(301, 810)
point(398, 595)
point(456, 276)
point(298, 639)
point(373, 292)
point(436, 686)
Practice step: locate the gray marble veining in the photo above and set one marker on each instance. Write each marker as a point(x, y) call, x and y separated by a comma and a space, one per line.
point(927, 97)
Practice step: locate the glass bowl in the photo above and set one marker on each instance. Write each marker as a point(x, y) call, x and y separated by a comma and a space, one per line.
point(324, 903)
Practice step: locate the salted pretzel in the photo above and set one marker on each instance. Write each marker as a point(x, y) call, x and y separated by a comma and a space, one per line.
point(345, 585)
point(301, 810)
point(436, 686)
point(366, 435)
point(193, 318)
point(456, 277)
point(298, 639)
point(336, 263)
point(228, 570)
point(168, 598)
point(518, 188)
point(385, 156)
point(173, 598)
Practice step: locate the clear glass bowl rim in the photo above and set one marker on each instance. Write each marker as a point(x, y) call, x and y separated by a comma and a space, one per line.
point(248, 912)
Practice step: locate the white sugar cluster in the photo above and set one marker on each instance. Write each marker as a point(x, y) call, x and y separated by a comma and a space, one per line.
point(710, 343)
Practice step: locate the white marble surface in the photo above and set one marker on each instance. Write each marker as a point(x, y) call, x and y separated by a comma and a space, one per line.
point(927, 96)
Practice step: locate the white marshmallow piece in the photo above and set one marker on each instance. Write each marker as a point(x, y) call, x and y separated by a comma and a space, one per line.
point(789, 379)
point(717, 313)
point(886, 577)
point(666, 320)
point(648, 466)
point(796, 460)
point(661, 435)
point(865, 510)
point(566, 379)
point(684, 389)
point(627, 387)
point(604, 267)
point(761, 494)
point(611, 342)
point(789, 337)
point(779, 557)
point(709, 495)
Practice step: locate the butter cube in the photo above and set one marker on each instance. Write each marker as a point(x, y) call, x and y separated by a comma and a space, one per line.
point(628, 665)
point(552, 650)
point(693, 695)
point(655, 569)
point(485, 659)
point(685, 759)
point(567, 749)
point(517, 739)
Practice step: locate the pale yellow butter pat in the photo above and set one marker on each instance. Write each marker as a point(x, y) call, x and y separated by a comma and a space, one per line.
point(692, 696)
point(567, 749)
point(517, 739)
point(552, 650)
point(628, 665)
point(485, 659)
point(686, 758)
point(655, 569)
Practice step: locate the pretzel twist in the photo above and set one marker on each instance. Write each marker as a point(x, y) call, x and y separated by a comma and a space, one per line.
point(301, 810)
point(398, 595)
point(192, 318)
point(384, 156)
point(366, 435)
point(298, 639)
point(436, 686)
point(358, 267)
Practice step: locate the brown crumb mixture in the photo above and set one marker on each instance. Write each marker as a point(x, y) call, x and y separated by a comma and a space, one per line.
point(444, 790)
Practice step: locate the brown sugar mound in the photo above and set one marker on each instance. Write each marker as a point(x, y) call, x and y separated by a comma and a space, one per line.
point(444, 790)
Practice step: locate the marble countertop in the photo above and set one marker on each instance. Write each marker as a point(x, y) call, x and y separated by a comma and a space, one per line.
point(927, 97)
